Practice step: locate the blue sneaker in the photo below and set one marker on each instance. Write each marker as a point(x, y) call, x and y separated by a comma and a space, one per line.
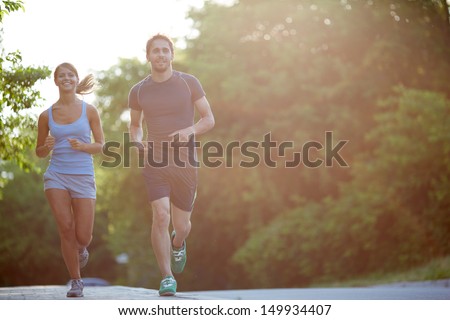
point(178, 257)
point(168, 286)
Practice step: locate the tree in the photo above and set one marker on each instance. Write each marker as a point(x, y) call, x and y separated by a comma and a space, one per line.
point(9, 6)
point(392, 215)
point(120, 189)
point(29, 243)
point(17, 97)
point(299, 68)
point(296, 69)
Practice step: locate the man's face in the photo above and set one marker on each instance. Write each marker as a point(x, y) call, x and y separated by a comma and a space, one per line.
point(160, 55)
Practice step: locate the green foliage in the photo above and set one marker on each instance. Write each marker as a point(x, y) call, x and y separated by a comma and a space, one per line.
point(372, 72)
point(389, 217)
point(121, 193)
point(29, 243)
point(8, 6)
point(112, 95)
point(414, 153)
point(17, 96)
point(297, 69)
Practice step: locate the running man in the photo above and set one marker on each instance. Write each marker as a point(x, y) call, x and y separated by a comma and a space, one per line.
point(167, 101)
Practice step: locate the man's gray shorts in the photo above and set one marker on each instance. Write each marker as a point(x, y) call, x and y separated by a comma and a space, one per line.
point(179, 184)
point(78, 185)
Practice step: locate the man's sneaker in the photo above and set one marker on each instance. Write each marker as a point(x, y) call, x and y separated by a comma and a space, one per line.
point(179, 256)
point(76, 289)
point(168, 286)
point(83, 257)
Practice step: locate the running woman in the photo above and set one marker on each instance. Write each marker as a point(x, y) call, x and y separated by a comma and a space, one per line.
point(64, 131)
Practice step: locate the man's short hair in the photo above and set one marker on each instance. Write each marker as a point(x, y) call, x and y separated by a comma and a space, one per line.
point(158, 36)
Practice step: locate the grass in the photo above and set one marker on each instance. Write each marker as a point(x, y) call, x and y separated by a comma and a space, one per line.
point(434, 270)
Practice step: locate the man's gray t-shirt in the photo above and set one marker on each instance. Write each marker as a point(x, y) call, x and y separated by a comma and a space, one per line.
point(167, 106)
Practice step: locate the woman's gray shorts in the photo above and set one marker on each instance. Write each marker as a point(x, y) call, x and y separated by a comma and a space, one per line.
point(78, 185)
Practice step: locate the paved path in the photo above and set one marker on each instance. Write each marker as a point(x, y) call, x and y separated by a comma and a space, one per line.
point(429, 290)
point(91, 293)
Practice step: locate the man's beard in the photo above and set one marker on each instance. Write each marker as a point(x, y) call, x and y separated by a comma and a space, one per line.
point(160, 68)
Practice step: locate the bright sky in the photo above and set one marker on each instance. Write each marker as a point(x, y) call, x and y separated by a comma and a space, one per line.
point(91, 34)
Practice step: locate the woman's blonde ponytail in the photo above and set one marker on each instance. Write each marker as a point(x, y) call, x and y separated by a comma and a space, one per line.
point(87, 85)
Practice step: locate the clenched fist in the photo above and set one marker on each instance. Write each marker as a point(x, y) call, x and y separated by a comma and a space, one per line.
point(49, 142)
point(75, 144)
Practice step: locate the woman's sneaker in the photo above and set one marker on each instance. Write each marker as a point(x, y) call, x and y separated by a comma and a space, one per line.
point(178, 257)
point(83, 257)
point(168, 286)
point(76, 290)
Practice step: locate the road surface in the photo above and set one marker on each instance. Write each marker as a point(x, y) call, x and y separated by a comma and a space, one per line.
point(429, 290)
